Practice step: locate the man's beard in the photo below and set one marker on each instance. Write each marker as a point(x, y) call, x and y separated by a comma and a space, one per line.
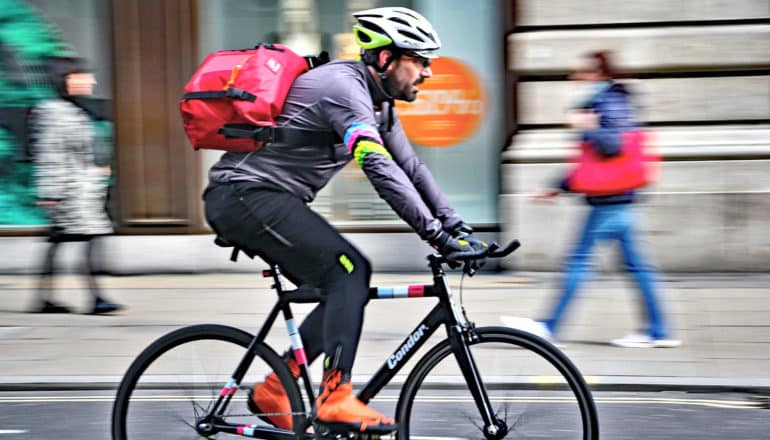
point(392, 89)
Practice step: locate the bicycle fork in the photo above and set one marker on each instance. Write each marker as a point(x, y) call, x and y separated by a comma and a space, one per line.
point(459, 337)
point(460, 334)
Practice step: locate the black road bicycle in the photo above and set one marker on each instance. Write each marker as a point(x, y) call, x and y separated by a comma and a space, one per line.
point(477, 383)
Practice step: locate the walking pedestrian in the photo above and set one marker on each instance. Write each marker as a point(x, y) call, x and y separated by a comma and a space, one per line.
point(608, 130)
point(70, 186)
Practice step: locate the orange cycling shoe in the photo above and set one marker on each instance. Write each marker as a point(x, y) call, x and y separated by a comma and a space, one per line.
point(340, 411)
point(269, 402)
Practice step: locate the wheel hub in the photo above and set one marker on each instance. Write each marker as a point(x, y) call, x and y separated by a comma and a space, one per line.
point(204, 428)
point(496, 431)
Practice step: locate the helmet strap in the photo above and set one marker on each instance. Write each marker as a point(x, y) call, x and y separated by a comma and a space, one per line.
point(372, 59)
point(381, 70)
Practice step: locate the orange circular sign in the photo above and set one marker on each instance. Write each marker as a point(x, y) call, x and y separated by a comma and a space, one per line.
point(448, 107)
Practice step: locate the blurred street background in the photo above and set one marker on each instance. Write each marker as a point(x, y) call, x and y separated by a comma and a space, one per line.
point(492, 128)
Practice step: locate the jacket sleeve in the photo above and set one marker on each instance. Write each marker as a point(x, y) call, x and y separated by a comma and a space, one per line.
point(420, 176)
point(616, 116)
point(352, 116)
point(393, 185)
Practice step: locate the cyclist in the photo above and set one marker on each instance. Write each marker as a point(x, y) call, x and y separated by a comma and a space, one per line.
point(258, 200)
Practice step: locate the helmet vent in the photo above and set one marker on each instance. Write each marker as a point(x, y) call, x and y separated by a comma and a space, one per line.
point(410, 35)
point(373, 27)
point(427, 34)
point(399, 21)
point(363, 37)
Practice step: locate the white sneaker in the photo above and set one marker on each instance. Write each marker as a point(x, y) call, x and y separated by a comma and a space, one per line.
point(537, 328)
point(643, 340)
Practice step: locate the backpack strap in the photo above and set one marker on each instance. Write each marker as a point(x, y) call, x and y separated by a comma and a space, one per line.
point(317, 60)
point(232, 92)
point(284, 135)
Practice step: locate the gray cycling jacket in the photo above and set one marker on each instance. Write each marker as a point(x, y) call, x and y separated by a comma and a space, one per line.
point(342, 96)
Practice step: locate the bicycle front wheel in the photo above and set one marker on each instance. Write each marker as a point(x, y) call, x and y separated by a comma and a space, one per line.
point(175, 382)
point(534, 389)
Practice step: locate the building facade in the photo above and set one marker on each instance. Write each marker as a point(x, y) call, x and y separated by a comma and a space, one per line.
point(492, 127)
point(701, 74)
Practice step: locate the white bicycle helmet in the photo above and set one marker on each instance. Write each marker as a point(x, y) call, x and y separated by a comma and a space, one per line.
point(396, 26)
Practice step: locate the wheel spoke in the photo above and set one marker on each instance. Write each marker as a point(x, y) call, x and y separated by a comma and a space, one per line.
point(538, 394)
point(177, 381)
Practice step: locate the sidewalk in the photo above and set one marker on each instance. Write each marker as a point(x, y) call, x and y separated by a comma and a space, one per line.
point(723, 320)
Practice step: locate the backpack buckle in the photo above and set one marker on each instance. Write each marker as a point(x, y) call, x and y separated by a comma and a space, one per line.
point(236, 93)
point(264, 134)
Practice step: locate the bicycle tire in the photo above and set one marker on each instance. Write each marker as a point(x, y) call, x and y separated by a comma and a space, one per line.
point(415, 407)
point(221, 344)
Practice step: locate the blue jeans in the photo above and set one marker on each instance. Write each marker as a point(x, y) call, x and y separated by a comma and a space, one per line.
point(611, 222)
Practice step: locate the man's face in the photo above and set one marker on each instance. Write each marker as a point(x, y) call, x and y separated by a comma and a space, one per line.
point(406, 74)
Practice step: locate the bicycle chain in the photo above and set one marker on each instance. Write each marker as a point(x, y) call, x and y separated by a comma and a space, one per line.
point(266, 414)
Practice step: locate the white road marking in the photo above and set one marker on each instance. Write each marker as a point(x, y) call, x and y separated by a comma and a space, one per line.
point(12, 431)
point(421, 437)
point(713, 403)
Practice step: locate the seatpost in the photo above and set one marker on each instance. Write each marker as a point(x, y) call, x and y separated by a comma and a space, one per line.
point(275, 273)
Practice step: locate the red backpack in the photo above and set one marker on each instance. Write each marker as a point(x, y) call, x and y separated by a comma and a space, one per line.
point(232, 100)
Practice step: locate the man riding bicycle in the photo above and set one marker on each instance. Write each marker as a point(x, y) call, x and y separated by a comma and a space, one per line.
point(258, 201)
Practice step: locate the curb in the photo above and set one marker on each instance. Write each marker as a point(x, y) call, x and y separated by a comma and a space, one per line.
point(596, 383)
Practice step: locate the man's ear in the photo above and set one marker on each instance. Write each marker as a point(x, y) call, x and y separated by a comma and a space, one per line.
point(383, 57)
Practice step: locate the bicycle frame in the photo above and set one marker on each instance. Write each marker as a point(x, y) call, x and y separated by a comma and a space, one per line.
point(459, 333)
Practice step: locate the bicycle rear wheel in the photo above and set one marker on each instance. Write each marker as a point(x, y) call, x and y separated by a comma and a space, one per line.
point(175, 382)
point(536, 392)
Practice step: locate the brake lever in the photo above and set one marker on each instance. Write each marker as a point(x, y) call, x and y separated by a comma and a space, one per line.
point(468, 268)
point(453, 264)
